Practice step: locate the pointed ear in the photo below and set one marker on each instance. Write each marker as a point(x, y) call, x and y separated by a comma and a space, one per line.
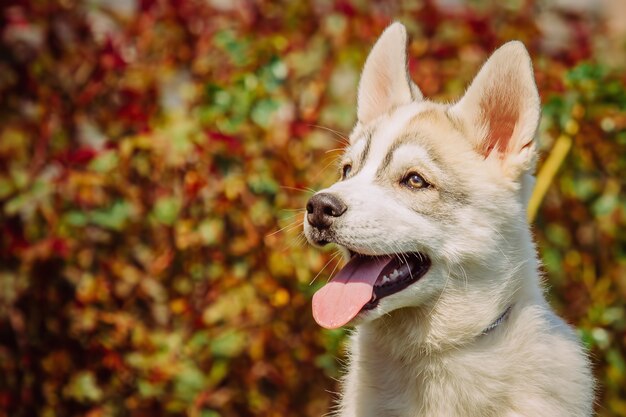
point(385, 81)
point(501, 108)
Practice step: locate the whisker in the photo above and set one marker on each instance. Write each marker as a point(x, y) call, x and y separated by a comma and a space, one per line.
point(333, 131)
point(304, 190)
point(338, 253)
point(298, 241)
point(334, 150)
point(334, 159)
point(292, 215)
point(323, 268)
point(445, 285)
point(289, 227)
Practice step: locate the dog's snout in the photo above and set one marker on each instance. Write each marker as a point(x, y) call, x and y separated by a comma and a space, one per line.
point(322, 208)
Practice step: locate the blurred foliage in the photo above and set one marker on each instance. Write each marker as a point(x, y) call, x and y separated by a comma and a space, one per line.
point(154, 159)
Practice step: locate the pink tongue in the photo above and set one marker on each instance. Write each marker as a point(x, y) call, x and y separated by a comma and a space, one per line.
point(339, 301)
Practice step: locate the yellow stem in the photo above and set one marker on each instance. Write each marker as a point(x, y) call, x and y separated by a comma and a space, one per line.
point(547, 173)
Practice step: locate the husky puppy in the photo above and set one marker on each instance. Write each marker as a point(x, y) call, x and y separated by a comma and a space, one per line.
point(442, 281)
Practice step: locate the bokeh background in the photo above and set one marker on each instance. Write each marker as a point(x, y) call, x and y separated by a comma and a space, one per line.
point(155, 157)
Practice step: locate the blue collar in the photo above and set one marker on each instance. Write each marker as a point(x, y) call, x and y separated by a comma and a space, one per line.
point(498, 321)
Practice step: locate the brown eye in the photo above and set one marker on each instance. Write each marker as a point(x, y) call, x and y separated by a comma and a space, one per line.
point(346, 171)
point(415, 181)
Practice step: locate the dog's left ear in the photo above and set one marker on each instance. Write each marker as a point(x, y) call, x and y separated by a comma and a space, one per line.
point(501, 108)
point(385, 81)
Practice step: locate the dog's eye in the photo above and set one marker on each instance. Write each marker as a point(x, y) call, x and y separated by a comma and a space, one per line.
point(346, 171)
point(415, 181)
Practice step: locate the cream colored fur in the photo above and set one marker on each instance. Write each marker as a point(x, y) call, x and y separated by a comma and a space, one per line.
point(422, 351)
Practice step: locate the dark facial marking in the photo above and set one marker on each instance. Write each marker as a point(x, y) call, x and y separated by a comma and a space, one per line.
point(366, 150)
point(450, 191)
point(382, 169)
point(364, 154)
point(400, 141)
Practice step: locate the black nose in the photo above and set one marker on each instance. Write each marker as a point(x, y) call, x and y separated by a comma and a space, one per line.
point(323, 208)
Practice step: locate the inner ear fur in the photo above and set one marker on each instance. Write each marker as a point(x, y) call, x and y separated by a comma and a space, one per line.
point(501, 107)
point(385, 81)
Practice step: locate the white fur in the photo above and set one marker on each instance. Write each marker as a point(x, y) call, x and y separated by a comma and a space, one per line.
point(385, 82)
point(421, 352)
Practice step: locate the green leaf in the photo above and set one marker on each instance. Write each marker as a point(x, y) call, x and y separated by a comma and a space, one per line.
point(147, 389)
point(6, 187)
point(105, 162)
point(263, 111)
point(260, 184)
point(237, 49)
point(29, 200)
point(585, 71)
point(210, 413)
point(605, 204)
point(83, 388)
point(211, 231)
point(166, 209)
point(189, 382)
point(218, 372)
point(229, 344)
point(114, 217)
point(199, 340)
point(558, 235)
point(75, 218)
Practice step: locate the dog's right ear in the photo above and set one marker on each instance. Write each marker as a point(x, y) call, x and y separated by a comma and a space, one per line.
point(385, 81)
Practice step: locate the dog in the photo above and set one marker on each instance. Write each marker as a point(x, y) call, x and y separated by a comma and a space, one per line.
point(443, 282)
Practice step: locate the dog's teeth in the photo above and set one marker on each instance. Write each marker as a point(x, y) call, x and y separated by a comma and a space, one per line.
point(391, 278)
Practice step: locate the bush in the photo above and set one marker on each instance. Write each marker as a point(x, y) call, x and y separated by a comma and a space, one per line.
point(154, 162)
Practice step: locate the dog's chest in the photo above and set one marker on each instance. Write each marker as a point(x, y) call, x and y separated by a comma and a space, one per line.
point(421, 386)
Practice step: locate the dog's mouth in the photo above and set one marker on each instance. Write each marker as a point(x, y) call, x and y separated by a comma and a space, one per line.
point(363, 282)
point(402, 271)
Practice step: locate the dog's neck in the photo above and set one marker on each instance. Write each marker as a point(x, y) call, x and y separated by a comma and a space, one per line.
point(449, 324)
point(498, 321)
point(418, 336)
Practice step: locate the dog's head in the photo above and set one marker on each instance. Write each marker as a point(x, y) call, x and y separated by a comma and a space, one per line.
point(431, 201)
